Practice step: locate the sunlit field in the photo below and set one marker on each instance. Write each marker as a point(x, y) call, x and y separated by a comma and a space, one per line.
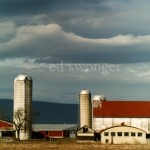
point(59, 145)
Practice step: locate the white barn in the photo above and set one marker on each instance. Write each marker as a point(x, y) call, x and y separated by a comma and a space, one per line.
point(106, 114)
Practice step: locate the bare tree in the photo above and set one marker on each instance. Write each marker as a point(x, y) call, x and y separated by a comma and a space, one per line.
point(21, 117)
point(19, 120)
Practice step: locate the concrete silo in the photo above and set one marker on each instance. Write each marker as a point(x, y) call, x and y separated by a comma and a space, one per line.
point(85, 108)
point(97, 99)
point(23, 101)
point(96, 102)
point(100, 97)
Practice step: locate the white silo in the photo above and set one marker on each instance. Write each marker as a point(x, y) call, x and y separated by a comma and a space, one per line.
point(100, 97)
point(96, 102)
point(23, 101)
point(85, 108)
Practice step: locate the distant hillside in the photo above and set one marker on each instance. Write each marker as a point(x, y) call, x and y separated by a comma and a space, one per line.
point(49, 112)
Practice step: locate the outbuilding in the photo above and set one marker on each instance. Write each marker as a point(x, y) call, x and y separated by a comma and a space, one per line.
point(85, 133)
point(123, 135)
point(6, 129)
point(55, 130)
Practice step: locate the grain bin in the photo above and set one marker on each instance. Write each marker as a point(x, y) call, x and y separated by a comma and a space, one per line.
point(85, 108)
point(23, 101)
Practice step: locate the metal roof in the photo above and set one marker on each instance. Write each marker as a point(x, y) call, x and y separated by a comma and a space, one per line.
point(122, 109)
point(99, 97)
point(53, 127)
point(23, 76)
point(121, 126)
point(86, 91)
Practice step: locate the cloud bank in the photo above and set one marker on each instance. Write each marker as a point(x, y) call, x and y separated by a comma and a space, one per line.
point(39, 41)
point(36, 36)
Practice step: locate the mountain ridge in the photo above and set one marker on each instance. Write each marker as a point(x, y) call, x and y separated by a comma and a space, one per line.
point(48, 112)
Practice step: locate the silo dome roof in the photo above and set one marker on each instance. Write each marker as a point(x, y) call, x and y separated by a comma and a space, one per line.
point(85, 92)
point(23, 76)
point(99, 97)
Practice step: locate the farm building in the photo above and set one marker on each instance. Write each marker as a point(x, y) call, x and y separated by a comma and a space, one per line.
point(113, 113)
point(56, 130)
point(106, 114)
point(123, 135)
point(42, 130)
point(85, 133)
point(6, 128)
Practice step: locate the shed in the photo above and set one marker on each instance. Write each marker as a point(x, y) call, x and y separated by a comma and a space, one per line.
point(123, 135)
point(6, 128)
point(56, 130)
point(85, 133)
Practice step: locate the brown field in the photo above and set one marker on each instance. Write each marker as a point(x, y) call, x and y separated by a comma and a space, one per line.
point(63, 145)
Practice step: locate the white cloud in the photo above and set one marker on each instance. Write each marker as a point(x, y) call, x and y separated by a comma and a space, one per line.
point(7, 31)
point(51, 39)
point(136, 72)
point(18, 63)
point(26, 33)
point(132, 71)
point(29, 35)
point(7, 28)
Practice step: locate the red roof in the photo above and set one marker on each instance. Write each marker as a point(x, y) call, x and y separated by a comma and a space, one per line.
point(122, 109)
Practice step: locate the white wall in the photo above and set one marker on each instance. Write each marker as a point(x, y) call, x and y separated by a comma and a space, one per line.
point(103, 123)
point(123, 139)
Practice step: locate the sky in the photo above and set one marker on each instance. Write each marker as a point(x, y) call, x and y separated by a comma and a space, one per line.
point(67, 46)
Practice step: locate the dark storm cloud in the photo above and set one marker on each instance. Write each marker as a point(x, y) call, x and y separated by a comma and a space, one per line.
point(10, 7)
point(42, 41)
point(97, 19)
point(68, 13)
point(19, 7)
point(35, 34)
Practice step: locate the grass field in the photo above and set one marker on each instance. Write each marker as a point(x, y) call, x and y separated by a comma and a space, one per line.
point(47, 145)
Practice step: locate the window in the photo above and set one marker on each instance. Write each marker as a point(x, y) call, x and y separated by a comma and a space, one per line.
point(72, 132)
point(139, 134)
point(126, 134)
point(132, 133)
point(119, 133)
point(106, 134)
point(112, 133)
point(85, 129)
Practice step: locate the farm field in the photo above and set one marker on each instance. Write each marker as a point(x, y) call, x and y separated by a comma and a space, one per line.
point(38, 145)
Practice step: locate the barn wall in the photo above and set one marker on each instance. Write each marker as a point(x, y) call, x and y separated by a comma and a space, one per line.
point(103, 123)
point(55, 134)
